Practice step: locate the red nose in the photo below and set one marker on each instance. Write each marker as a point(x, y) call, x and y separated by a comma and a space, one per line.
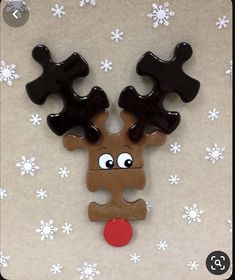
point(117, 232)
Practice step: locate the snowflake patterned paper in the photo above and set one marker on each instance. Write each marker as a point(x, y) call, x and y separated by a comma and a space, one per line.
point(50, 199)
point(82, 3)
point(88, 271)
point(222, 22)
point(160, 14)
point(116, 35)
point(134, 258)
point(106, 65)
point(192, 214)
point(214, 154)
point(193, 265)
point(47, 230)
point(3, 193)
point(162, 245)
point(58, 11)
point(56, 268)
point(7, 73)
point(4, 260)
point(27, 166)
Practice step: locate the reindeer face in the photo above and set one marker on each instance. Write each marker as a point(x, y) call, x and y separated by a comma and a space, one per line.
point(115, 164)
point(115, 160)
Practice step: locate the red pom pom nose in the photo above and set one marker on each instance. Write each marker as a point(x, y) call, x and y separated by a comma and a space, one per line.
point(118, 232)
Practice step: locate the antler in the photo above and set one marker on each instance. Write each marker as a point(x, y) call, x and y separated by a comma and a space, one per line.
point(168, 76)
point(57, 78)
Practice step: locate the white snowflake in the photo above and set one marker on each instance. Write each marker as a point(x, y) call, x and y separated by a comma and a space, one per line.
point(3, 260)
point(174, 179)
point(63, 172)
point(213, 114)
point(106, 65)
point(3, 193)
point(35, 119)
point(67, 228)
point(84, 2)
point(175, 148)
point(134, 258)
point(160, 14)
point(162, 245)
point(230, 70)
point(58, 11)
point(7, 73)
point(222, 22)
point(41, 194)
point(193, 265)
point(215, 153)
point(231, 225)
point(47, 230)
point(56, 268)
point(116, 35)
point(148, 206)
point(27, 166)
point(192, 214)
point(88, 271)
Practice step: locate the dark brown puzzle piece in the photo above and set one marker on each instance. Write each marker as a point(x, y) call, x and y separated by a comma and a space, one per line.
point(168, 76)
point(57, 78)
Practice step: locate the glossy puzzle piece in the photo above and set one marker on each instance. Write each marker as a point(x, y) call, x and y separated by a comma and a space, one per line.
point(57, 78)
point(167, 76)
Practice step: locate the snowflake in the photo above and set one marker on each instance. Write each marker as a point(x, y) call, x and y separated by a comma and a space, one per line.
point(174, 179)
point(222, 22)
point(175, 148)
point(192, 214)
point(106, 65)
point(231, 225)
point(7, 73)
point(88, 271)
point(160, 14)
point(16, 5)
point(63, 172)
point(56, 268)
point(47, 230)
point(116, 35)
point(162, 245)
point(230, 70)
point(41, 194)
point(3, 193)
point(213, 114)
point(58, 11)
point(215, 153)
point(27, 166)
point(134, 258)
point(67, 228)
point(193, 265)
point(35, 119)
point(82, 3)
point(148, 206)
point(3, 260)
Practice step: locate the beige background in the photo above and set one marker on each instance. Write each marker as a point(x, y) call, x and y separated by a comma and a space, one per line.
point(87, 31)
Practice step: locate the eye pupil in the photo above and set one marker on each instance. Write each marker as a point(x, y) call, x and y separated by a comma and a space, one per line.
point(109, 164)
point(128, 163)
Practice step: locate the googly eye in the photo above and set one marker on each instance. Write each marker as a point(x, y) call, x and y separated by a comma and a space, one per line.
point(106, 161)
point(124, 160)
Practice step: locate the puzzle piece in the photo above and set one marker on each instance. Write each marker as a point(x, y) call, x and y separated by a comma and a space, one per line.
point(168, 76)
point(57, 78)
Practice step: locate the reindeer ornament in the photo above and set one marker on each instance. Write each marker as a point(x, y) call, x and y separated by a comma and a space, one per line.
point(115, 160)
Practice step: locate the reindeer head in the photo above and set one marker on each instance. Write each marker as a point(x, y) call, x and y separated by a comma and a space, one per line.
point(115, 160)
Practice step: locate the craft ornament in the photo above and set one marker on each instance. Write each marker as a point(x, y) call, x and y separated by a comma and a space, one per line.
point(115, 160)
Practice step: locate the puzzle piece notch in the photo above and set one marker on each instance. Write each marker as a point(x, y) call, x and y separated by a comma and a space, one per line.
point(168, 76)
point(57, 78)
